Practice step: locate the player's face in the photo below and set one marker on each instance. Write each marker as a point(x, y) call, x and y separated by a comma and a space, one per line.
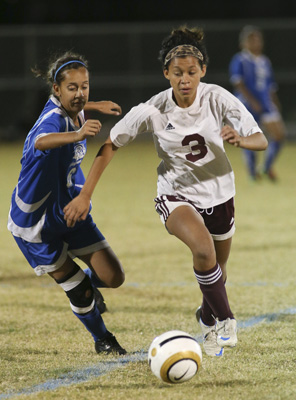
point(254, 43)
point(184, 74)
point(73, 91)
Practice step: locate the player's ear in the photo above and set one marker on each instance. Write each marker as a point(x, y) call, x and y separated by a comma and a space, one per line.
point(203, 71)
point(56, 89)
point(166, 73)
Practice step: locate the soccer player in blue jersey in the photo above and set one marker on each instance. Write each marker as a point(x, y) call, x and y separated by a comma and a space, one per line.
point(251, 74)
point(50, 177)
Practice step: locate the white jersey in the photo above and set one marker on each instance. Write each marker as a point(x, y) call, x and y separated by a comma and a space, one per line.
point(194, 163)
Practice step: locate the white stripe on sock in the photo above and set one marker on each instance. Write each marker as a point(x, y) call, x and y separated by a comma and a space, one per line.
point(210, 278)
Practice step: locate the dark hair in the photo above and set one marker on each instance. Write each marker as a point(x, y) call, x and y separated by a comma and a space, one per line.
point(55, 63)
point(184, 35)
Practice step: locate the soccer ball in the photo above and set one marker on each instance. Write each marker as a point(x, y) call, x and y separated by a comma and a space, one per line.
point(174, 356)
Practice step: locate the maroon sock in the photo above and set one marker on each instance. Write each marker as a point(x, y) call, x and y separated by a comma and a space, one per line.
point(207, 313)
point(214, 292)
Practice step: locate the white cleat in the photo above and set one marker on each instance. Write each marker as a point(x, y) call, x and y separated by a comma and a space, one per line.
point(227, 332)
point(210, 345)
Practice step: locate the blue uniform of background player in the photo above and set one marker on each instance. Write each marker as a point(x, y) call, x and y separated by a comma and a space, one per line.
point(252, 76)
point(50, 177)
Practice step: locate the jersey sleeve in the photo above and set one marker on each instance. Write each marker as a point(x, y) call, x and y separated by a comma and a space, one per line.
point(135, 122)
point(236, 70)
point(235, 114)
point(49, 125)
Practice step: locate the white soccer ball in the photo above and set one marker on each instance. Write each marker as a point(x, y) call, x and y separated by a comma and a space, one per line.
point(174, 356)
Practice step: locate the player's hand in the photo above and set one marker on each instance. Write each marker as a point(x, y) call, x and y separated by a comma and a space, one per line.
point(76, 210)
point(91, 127)
point(105, 107)
point(231, 136)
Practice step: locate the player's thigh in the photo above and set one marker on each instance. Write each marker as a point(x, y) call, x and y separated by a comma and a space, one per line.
point(105, 264)
point(275, 129)
point(64, 270)
point(188, 226)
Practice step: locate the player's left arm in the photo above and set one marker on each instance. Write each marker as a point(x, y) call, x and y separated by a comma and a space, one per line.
point(256, 141)
point(104, 107)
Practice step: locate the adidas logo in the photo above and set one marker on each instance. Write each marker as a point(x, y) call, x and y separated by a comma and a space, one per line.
point(169, 127)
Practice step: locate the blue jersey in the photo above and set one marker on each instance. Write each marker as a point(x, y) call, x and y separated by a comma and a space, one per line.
point(257, 75)
point(48, 179)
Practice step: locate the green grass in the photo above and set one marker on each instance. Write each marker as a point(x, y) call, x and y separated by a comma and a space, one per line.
point(41, 340)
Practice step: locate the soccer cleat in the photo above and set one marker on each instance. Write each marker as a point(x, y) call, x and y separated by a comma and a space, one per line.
point(226, 331)
point(109, 345)
point(271, 175)
point(100, 301)
point(210, 345)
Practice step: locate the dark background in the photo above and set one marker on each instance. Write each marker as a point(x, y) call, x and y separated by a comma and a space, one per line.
point(121, 40)
point(83, 11)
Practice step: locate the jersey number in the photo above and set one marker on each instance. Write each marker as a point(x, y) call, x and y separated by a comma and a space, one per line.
point(197, 145)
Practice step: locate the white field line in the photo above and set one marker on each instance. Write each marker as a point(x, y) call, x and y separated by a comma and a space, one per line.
point(104, 367)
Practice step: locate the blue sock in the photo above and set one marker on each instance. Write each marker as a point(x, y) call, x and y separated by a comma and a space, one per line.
point(250, 157)
point(271, 153)
point(95, 281)
point(94, 323)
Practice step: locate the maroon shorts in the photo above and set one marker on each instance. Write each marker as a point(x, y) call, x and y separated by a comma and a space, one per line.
point(219, 219)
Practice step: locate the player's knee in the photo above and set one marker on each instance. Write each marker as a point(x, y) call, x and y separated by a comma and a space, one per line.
point(82, 297)
point(117, 279)
point(79, 290)
point(204, 258)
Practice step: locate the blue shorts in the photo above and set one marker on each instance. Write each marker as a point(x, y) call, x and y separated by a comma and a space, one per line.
point(51, 254)
point(269, 113)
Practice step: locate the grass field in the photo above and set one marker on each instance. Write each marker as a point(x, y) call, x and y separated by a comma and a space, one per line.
point(45, 353)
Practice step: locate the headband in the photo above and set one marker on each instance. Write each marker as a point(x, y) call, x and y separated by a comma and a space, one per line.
point(183, 50)
point(63, 65)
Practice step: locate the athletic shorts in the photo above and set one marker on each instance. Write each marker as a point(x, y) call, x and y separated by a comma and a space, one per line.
point(272, 116)
point(51, 254)
point(269, 114)
point(219, 220)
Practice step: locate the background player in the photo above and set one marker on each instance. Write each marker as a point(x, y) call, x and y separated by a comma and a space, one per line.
point(50, 177)
point(252, 76)
point(189, 123)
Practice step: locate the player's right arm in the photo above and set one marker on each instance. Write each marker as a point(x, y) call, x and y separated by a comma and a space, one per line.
point(57, 139)
point(78, 208)
point(134, 123)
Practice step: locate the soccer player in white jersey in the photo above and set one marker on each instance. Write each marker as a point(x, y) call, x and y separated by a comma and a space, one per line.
point(50, 177)
point(252, 76)
point(189, 123)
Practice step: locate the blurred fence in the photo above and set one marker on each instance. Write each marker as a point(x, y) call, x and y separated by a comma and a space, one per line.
point(124, 65)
